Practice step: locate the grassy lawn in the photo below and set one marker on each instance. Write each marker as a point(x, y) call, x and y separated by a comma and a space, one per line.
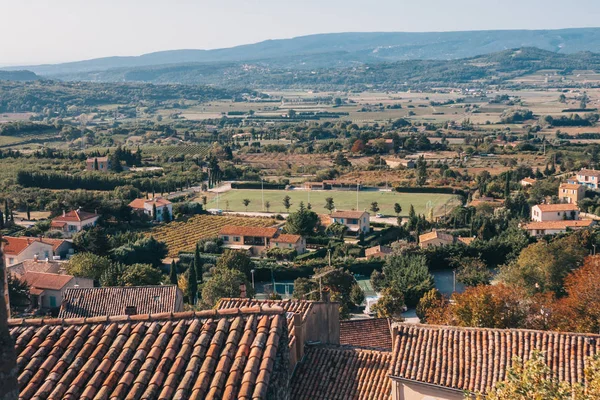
point(342, 200)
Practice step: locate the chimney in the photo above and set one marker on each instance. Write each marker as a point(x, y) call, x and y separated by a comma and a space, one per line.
point(64, 213)
point(243, 293)
point(35, 257)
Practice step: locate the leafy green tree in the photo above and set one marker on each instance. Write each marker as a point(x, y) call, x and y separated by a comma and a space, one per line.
point(377, 280)
point(532, 379)
point(112, 276)
point(237, 260)
point(397, 209)
point(421, 171)
point(409, 275)
point(154, 212)
point(329, 204)
point(92, 240)
point(336, 229)
point(140, 275)
point(390, 304)
point(18, 292)
point(357, 295)
point(287, 202)
point(472, 271)
point(430, 301)
point(542, 267)
point(267, 205)
point(340, 160)
point(225, 282)
point(173, 273)
point(302, 222)
point(374, 207)
point(246, 203)
point(147, 250)
point(87, 265)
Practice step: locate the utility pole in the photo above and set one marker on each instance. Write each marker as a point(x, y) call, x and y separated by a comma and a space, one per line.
point(357, 185)
point(262, 192)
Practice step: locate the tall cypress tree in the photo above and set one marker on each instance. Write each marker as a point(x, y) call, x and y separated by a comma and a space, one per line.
point(154, 214)
point(192, 284)
point(173, 273)
point(507, 185)
point(198, 264)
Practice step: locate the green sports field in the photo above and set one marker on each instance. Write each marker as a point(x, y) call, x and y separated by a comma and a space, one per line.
point(233, 200)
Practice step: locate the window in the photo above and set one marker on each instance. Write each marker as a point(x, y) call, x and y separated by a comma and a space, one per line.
point(11, 261)
point(290, 245)
point(236, 238)
point(52, 301)
point(226, 238)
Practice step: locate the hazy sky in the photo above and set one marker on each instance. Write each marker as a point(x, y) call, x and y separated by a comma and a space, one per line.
point(44, 31)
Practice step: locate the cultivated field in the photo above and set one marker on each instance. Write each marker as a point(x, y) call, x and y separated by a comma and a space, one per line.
point(183, 236)
point(233, 200)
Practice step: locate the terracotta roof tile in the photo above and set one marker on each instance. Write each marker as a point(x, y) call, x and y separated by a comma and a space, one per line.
point(328, 372)
point(474, 359)
point(435, 235)
point(140, 203)
point(43, 280)
point(348, 214)
point(571, 186)
point(109, 301)
point(287, 238)
point(16, 245)
point(75, 216)
point(589, 172)
point(372, 333)
point(248, 231)
point(185, 356)
point(582, 223)
point(558, 207)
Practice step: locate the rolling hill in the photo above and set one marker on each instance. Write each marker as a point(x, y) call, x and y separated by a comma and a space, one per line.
point(347, 49)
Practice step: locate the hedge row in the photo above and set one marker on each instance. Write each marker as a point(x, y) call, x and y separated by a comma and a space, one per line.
point(443, 190)
point(257, 185)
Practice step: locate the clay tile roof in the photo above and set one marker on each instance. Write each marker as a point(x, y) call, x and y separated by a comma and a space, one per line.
point(190, 355)
point(529, 180)
point(35, 266)
point(75, 216)
point(582, 223)
point(589, 172)
point(435, 235)
point(43, 280)
point(287, 238)
point(302, 307)
point(474, 359)
point(107, 301)
point(557, 207)
point(248, 231)
point(367, 333)
point(465, 239)
point(137, 203)
point(102, 159)
point(572, 186)
point(348, 214)
point(15, 245)
point(328, 372)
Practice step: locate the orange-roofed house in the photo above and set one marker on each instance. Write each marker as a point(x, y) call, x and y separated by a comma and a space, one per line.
point(589, 178)
point(97, 164)
point(147, 206)
point(355, 221)
point(571, 192)
point(69, 223)
point(554, 212)
point(435, 238)
point(527, 182)
point(290, 242)
point(47, 290)
point(19, 249)
point(556, 227)
point(255, 240)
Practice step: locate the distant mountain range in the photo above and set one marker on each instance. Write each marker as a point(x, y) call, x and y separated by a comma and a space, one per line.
point(338, 50)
